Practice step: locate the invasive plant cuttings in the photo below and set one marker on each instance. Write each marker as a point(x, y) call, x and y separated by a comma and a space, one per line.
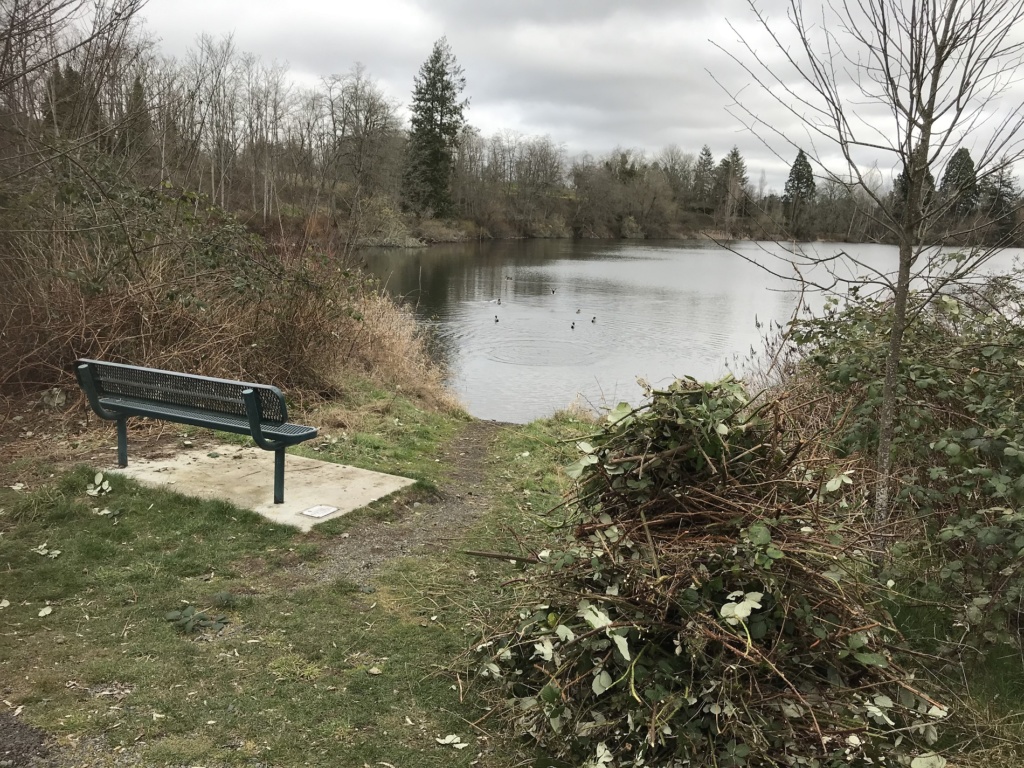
point(715, 604)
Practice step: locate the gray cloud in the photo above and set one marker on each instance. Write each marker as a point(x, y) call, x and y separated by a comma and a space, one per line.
point(591, 74)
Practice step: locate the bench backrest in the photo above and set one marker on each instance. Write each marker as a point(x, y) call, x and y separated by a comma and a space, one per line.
point(184, 389)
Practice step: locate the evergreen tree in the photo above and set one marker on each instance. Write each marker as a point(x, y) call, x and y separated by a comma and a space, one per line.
point(730, 188)
point(72, 108)
point(704, 177)
point(798, 194)
point(437, 120)
point(1000, 202)
point(901, 191)
point(960, 183)
point(134, 135)
point(735, 167)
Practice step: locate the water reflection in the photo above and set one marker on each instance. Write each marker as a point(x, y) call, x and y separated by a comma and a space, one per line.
point(585, 319)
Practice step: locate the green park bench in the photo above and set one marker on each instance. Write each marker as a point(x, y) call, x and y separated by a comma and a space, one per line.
point(118, 391)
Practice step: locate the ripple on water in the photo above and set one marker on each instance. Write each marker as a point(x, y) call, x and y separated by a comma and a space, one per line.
point(539, 352)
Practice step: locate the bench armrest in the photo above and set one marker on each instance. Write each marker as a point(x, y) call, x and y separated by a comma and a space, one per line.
point(85, 380)
point(252, 410)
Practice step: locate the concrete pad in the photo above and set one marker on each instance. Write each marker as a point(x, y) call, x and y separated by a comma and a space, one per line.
point(314, 491)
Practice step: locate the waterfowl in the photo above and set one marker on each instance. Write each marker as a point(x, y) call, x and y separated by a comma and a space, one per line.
point(578, 311)
point(572, 327)
point(495, 318)
point(593, 319)
point(499, 301)
point(552, 290)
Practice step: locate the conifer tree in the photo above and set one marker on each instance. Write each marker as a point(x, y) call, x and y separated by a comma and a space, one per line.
point(730, 188)
point(704, 177)
point(960, 183)
point(798, 194)
point(136, 127)
point(437, 121)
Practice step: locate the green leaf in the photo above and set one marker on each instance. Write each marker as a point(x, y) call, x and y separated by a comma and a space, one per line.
point(550, 693)
point(602, 682)
point(759, 534)
point(593, 615)
point(833, 485)
point(871, 659)
point(575, 470)
point(619, 412)
point(928, 760)
point(622, 645)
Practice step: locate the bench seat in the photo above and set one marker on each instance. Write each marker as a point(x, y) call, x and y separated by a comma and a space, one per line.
point(196, 417)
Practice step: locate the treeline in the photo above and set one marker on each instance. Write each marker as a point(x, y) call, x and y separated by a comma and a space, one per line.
point(88, 97)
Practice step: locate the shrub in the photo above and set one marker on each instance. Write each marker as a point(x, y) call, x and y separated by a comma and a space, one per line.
point(161, 277)
point(959, 439)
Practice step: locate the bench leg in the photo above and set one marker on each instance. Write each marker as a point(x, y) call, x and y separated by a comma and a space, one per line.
point(122, 441)
point(279, 476)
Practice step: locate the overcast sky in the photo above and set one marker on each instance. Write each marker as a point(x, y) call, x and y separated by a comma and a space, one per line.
point(591, 74)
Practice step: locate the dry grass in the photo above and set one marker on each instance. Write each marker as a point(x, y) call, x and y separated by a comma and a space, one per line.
point(390, 348)
point(204, 302)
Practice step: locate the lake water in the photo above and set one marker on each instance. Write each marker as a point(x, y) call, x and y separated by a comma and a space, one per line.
point(529, 327)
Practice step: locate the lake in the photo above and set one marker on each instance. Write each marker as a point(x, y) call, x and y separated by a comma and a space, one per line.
point(528, 327)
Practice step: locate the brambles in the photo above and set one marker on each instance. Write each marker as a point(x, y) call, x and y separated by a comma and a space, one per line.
point(715, 603)
point(189, 620)
point(959, 442)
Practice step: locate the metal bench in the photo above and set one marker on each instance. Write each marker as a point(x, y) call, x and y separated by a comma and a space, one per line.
point(118, 391)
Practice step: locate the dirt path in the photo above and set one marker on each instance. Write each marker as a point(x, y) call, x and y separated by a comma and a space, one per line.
point(434, 523)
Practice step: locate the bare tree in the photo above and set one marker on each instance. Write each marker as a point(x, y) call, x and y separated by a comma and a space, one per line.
point(908, 82)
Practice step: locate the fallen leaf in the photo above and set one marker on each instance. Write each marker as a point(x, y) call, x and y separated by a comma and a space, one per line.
point(45, 611)
point(4, 604)
point(373, 671)
point(453, 739)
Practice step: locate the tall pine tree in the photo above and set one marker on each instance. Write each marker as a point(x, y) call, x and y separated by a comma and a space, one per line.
point(704, 177)
point(960, 183)
point(730, 190)
point(798, 194)
point(437, 120)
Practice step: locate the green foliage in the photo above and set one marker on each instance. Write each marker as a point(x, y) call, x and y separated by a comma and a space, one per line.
point(799, 193)
point(189, 620)
point(437, 120)
point(1000, 202)
point(709, 607)
point(959, 439)
point(704, 176)
point(960, 183)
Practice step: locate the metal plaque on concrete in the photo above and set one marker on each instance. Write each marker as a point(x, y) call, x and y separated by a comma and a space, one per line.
point(320, 510)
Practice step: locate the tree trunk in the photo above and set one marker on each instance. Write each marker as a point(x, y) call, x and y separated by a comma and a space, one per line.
point(887, 415)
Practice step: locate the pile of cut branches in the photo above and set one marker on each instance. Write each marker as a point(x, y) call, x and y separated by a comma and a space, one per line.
point(715, 603)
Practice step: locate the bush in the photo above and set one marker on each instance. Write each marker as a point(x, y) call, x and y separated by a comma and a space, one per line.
point(161, 277)
point(959, 440)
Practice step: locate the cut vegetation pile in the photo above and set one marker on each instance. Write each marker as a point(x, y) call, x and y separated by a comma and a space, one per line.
point(714, 605)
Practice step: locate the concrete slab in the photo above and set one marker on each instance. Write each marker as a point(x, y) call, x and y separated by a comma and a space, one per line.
point(314, 491)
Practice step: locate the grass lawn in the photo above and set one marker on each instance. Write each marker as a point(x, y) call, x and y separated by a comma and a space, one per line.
point(306, 671)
